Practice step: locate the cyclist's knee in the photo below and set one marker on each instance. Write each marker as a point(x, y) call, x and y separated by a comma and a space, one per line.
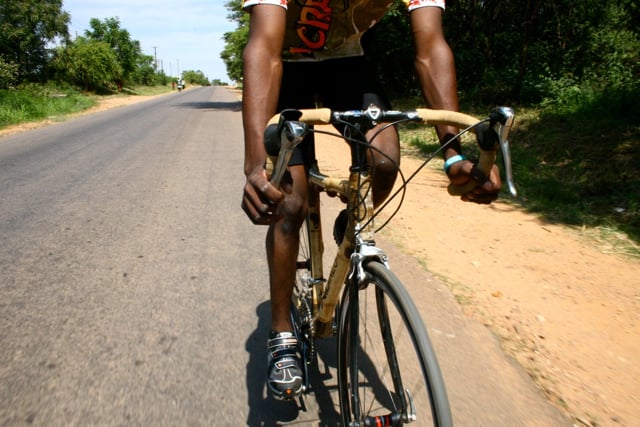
point(385, 168)
point(293, 207)
point(386, 156)
point(293, 210)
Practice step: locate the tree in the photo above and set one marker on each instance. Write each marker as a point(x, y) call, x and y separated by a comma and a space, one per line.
point(195, 77)
point(8, 73)
point(127, 51)
point(91, 64)
point(144, 72)
point(525, 50)
point(235, 41)
point(616, 45)
point(26, 29)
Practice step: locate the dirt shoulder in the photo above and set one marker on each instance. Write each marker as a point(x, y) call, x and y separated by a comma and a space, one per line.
point(565, 310)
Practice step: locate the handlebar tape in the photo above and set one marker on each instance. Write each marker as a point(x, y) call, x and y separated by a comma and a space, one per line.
point(444, 117)
point(319, 116)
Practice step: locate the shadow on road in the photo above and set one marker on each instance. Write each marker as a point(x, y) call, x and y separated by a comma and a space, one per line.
point(316, 406)
point(208, 105)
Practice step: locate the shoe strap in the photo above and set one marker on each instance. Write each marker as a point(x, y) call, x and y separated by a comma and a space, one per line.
point(283, 347)
point(289, 341)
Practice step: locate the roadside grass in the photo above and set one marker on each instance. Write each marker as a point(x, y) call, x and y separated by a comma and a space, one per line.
point(31, 103)
point(576, 166)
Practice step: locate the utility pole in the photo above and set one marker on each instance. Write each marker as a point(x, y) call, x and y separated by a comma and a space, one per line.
point(155, 55)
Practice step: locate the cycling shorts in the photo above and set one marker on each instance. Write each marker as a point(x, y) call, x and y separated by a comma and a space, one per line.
point(339, 84)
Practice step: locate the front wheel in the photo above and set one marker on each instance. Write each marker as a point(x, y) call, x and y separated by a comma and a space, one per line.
point(388, 374)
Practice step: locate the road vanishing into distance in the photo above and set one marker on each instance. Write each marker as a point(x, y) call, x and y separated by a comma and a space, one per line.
point(133, 289)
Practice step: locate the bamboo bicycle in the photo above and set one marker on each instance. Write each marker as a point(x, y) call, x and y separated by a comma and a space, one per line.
point(388, 374)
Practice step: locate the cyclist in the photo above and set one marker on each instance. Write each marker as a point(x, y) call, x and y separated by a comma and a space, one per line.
point(304, 53)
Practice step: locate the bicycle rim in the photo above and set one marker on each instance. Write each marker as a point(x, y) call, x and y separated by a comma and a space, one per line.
point(302, 300)
point(387, 370)
point(303, 261)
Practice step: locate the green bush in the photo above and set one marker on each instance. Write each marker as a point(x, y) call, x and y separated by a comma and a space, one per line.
point(8, 73)
point(90, 64)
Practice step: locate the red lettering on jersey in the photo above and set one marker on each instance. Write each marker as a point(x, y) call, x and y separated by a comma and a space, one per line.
point(321, 20)
point(312, 26)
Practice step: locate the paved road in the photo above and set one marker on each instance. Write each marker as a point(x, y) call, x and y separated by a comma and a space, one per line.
point(132, 288)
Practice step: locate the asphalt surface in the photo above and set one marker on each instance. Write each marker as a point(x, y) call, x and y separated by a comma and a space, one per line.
point(133, 289)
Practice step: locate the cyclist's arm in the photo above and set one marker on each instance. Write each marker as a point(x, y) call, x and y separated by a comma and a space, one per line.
point(261, 85)
point(436, 71)
point(435, 66)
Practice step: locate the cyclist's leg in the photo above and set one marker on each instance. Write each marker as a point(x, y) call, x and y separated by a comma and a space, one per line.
point(297, 91)
point(282, 248)
point(285, 376)
point(384, 160)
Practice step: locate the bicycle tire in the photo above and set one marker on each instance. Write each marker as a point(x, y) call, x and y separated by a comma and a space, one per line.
point(372, 376)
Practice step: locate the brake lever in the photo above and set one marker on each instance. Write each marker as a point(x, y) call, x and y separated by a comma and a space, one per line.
point(501, 120)
point(292, 133)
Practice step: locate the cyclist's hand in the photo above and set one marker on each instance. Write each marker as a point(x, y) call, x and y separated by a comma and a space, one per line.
point(487, 188)
point(260, 199)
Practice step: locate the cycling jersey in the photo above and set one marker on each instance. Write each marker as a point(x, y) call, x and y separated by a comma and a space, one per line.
point(323, 29)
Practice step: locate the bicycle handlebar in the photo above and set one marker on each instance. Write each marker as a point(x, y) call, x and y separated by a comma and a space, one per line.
point(488, 137)
point(325, 116)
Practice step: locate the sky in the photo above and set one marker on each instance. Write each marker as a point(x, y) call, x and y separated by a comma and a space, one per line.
point(183, 34)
